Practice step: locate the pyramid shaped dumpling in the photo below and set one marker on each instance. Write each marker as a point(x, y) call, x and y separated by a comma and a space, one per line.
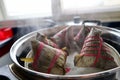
point(47, 59)
point(81, 35)
point(95, 53)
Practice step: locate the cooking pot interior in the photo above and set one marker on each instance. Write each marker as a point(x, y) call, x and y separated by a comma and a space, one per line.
point(23, 45)
point(109, 35)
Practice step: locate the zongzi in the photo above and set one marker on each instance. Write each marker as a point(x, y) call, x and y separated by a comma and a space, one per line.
point(95, 53)
point(47, 59)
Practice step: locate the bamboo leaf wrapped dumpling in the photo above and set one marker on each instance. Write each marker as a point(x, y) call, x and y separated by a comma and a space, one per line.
point(59, 38)
point(47, 59)
point(43, 38)
point(80, 37)
point(70, 43)
point(95, 53)
point(65, 38)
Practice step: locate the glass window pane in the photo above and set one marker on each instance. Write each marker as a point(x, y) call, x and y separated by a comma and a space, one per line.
point(28, 7)
point(88, 4)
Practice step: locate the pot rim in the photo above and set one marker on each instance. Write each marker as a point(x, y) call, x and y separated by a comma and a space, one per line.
point(15, 46)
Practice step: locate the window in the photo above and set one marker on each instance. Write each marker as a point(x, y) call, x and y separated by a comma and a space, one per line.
point(81, 4)
point(61, 10)
point(88, 9)
point(27, 8)
point(88, 5)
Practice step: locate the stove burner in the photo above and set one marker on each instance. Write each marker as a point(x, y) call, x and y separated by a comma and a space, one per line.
point(4, 77)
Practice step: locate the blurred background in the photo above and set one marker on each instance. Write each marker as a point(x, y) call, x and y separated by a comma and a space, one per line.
point(105, 10)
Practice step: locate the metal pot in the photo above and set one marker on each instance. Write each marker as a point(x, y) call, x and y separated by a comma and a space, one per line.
point(22, 46)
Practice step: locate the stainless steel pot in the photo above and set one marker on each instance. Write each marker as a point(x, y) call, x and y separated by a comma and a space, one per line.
point(22, 46)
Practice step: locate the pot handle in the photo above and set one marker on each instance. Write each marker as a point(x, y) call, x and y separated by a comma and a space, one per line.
point(95, 22)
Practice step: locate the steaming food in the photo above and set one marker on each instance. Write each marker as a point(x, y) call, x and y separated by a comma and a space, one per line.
point(95, 53)
point(65, 38)
point(65, 52)
point(80, 37)
point(47, 59)
point(43, 38)
point(59, 38)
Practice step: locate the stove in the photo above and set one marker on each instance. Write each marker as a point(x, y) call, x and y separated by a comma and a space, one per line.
point(12, 72)
point(6, 74)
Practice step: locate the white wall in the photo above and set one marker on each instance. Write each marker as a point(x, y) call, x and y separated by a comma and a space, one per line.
point(1, 11)
point(1, 16)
